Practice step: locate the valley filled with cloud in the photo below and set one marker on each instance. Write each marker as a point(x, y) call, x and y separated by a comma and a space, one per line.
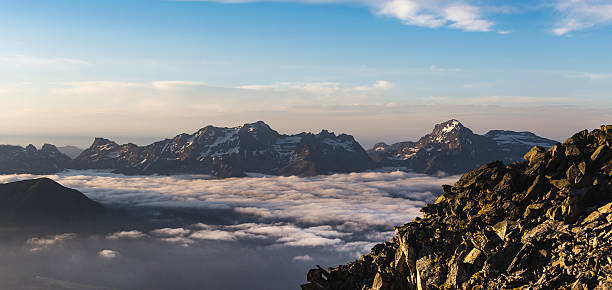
point(194, 230)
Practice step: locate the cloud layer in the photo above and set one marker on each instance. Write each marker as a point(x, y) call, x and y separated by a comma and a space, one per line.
point(344, 212)
point(370, 198)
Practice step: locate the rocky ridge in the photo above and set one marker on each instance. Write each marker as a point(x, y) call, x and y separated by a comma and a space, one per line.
point(545, 223)
point(453, 148)
point(229, 152)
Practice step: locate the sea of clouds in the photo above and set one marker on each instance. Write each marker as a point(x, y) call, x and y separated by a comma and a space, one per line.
point(302, 221)
point(292, 211)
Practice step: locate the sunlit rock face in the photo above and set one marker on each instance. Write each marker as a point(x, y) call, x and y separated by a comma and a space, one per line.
point(228, 152)
point(454, 148)
point(544, 223)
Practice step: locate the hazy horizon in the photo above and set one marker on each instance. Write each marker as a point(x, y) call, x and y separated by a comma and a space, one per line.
point(83, 142)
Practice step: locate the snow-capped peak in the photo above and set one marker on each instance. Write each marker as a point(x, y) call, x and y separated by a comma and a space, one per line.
point(450, 126)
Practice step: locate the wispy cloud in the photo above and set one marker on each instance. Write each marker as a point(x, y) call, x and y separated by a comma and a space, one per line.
point(592, 76)
point(305, 258)
point(579, 15)
point(216, 235)
point(171, 232)
point(469, 15)
point(320, 88)
point(126, 235)
point(40, 244)
point(108, 254)
point(432, 14)
point(50, 240)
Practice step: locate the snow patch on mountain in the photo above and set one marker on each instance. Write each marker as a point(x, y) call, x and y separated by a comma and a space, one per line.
point(451, 126)
point(504, 137)
point(346, 145)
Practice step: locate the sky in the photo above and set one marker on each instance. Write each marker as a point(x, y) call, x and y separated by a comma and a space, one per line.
point(381, 70)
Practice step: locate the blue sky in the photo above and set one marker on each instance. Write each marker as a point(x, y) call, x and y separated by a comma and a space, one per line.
point(381, 70)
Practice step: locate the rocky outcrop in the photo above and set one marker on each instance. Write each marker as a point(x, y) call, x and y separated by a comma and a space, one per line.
point(18, 160)
point(453, 148)
point(228, 152)
point(545, 223)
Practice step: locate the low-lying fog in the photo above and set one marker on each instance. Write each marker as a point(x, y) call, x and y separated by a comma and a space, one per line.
point(196, 233)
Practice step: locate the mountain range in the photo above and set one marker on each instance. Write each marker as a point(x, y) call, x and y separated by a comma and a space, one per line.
point(453, 148)
point(231, 152)
point(256, 148)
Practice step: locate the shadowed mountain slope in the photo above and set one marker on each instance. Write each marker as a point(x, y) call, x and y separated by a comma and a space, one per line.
point(42, 200)
point(16, 159)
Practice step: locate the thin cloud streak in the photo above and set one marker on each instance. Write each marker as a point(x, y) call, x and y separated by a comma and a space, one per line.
point(579, 15)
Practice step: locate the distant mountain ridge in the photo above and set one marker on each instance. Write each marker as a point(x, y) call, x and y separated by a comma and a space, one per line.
point(70, 151)
point(231, 152)
point(255, 147)
point(453, 148)
point(17, 159)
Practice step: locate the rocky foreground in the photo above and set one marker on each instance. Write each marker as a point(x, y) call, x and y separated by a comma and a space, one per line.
point(545, 223)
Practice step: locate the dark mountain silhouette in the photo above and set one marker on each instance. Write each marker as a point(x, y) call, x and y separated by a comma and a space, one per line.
point(43, 200)
point(16, 159)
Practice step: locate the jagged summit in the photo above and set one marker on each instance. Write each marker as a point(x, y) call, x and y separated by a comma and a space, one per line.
point(449, 127)
point(225, 152)
point(544, 223)
point(453, 148)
